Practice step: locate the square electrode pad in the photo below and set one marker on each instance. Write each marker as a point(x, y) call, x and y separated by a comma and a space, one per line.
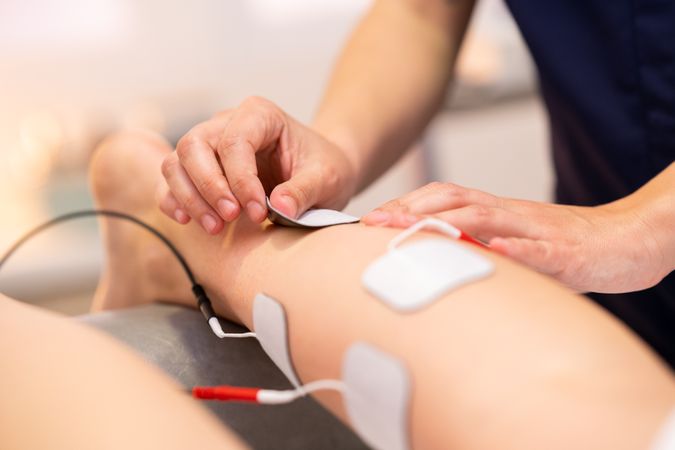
point(377, 397)
point(411, 276)
point(314, 218)
point(270, 325)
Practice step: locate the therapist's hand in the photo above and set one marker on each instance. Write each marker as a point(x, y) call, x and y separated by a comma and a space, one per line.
point(608, 248)
point(224, 166)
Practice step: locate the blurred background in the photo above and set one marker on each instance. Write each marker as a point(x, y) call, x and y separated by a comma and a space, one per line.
point(75, 70)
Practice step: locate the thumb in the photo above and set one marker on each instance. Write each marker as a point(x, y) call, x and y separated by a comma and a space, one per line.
point(298, 194)
point(536, 254)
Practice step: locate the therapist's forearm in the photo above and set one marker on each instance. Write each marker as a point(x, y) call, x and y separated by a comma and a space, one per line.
point(391, 79)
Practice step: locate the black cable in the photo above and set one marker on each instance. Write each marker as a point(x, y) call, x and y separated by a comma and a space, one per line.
point(203, 301)
point(91, 213)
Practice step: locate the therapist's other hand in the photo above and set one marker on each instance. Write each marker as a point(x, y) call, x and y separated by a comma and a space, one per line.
point(226, 165)
point(607, 248)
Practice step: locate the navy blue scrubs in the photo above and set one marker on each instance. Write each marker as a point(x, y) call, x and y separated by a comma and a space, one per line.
point(607, 76)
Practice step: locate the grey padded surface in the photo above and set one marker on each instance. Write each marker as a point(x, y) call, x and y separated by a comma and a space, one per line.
point(179, 341)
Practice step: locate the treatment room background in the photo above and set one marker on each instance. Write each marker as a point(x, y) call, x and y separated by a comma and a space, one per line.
point(75, 70)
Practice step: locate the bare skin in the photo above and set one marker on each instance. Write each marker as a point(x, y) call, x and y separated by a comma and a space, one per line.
point(514, 361)
point(389, 82)
point(67, 386)
point(570, 243)
point(402, 53)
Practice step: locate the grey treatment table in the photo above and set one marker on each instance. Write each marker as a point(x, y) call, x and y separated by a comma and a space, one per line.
point(179, 341)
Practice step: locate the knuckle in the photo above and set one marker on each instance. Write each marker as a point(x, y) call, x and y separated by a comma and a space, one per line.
point(394, 205)
point(169, 164)
point(211, 186)
point(450, 189)
point(433, 186)
point(331, 178)
point(543, 250)
point(261, 105)
point(451, 193)
point(193, 203)
point(255, 102)
point(480, 213)
point(498, 202)
point(229, 143)
point(242, 186)
point(186, 145)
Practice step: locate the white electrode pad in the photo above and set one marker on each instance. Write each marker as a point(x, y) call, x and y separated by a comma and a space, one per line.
point(411, 276)
point(314, 218)
point(377, 397)
point(269, 323)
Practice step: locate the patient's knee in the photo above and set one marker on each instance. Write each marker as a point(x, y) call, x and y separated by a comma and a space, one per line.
point(116, 155)
point(128, 142)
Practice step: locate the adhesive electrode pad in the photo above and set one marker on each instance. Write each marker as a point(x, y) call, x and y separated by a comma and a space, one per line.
point(411, 276)
point(269, 323)
point(314, 218)
point(377, 397)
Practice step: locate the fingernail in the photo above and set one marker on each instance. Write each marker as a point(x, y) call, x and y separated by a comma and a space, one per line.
point(377, 218)
point(181, 216)
point(255, 211)
point(209, 223)
point(226, 208)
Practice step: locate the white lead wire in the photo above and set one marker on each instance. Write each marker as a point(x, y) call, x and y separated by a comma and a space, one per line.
point(274, 397)
point(218, 331)
point(431, 223)
point(322, 385)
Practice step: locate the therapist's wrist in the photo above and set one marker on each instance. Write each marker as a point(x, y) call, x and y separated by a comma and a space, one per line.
point(353, 150)
point(660, 216)
point(656, 218)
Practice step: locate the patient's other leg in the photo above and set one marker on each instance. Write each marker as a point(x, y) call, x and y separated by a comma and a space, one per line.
point(124, 173)
point(65, 385)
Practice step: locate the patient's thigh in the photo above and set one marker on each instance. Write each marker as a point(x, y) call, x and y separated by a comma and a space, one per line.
point(57, 373)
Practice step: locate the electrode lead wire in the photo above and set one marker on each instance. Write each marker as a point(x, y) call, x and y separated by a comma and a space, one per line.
point(203, 301)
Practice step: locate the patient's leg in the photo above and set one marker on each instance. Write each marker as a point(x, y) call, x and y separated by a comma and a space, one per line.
point(513, 361)
point(64, 385)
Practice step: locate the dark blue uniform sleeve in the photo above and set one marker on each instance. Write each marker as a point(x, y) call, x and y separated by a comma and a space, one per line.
point(607, 76)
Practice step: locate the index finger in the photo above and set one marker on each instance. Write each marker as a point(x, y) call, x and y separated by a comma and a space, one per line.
point(437, 197)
